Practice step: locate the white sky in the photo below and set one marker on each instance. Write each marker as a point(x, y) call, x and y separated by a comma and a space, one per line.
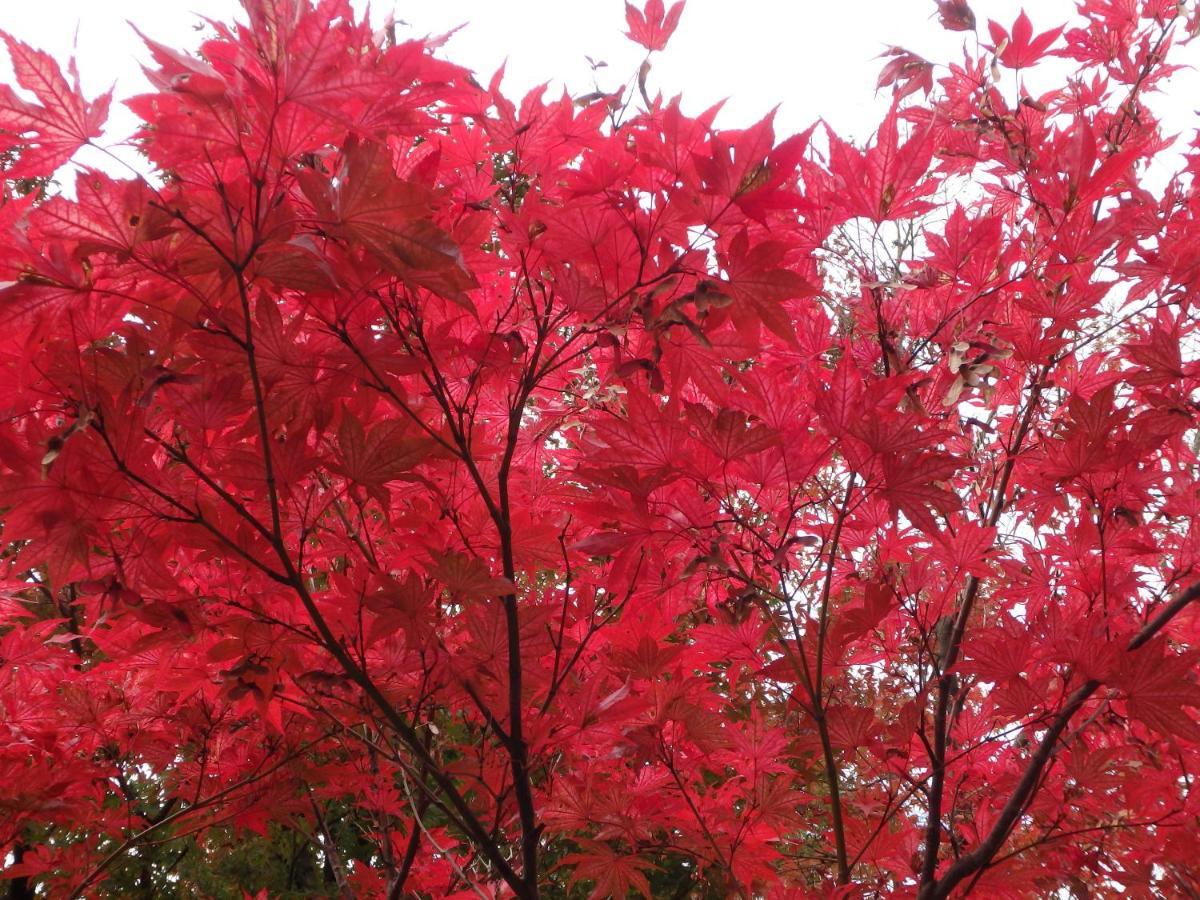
point(815, 58)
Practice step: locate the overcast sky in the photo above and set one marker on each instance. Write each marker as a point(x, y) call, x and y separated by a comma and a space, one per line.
point(814, 58)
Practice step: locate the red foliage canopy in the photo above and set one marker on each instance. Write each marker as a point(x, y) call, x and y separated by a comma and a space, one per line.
point(578, 495)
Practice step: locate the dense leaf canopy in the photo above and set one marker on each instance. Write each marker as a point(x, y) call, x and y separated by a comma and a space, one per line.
point(409, 491)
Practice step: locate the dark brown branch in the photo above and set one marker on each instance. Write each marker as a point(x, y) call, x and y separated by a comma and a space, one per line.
point(981, 857)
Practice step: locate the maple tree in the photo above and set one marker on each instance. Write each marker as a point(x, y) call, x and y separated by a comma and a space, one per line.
point(566, 497)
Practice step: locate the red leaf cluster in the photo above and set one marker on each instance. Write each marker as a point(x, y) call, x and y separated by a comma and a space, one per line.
point(580, 499)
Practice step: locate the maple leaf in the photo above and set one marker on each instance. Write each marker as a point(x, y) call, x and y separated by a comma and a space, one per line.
point(851, 727)
point(1158, 687)
point(468, 577)
point(106, 215)
point(916, 483)
point(1022, 48)
point(614, 873)
point(387, 452)
point(653, 26)
point(998, 655)
point(856, 620)
point(649, 659)
point(757, 277)
point(886, 181)
point(369, 203)
point(730, 434)
point(968, 548)
point(50, 131)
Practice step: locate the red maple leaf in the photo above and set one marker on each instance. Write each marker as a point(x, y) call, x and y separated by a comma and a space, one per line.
point(1158, 687)
point(48, 132)
point(614, 873)
point(1022, 48)
point(653, 26)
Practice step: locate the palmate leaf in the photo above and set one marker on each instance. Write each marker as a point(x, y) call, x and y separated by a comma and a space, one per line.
point(614, 873)
point(106, 215)
point(1159, 688)
point(915, 485)
point(760, 283)
point(369, 204)
point(387, 452)
point(886, 180)
point(466, 577)
point(51, 130)
point(653, 26)
point(1021, 48)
